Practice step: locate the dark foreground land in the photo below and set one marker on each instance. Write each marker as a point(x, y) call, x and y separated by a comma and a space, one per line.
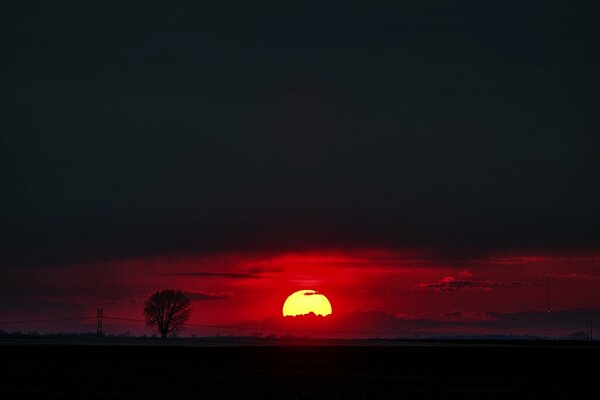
point(438, 371)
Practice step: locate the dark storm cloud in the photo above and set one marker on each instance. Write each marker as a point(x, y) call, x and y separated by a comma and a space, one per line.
point(451, 284)
point(454, 314)
point(200, 296)
point(136, 130)
point(312, 293)
point(265, 269)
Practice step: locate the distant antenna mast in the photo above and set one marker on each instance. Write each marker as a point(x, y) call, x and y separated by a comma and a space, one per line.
point(100, 331)
point(548, 294)
point(589, 329)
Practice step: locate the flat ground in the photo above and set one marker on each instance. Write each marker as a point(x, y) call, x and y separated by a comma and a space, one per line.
point(408, 371)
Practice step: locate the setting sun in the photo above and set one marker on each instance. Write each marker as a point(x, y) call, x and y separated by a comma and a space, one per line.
point(306, 301)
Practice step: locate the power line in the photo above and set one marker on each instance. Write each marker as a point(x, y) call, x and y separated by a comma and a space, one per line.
point(45, 320)
point(125, 319)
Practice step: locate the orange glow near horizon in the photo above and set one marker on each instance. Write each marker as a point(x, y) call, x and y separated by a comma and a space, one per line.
point(306, 301)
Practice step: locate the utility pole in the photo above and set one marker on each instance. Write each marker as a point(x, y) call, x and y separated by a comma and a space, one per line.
point(100, 331)
point(589, 329)
point(548, 294)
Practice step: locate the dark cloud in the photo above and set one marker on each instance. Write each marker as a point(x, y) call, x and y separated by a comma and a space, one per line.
point(574, 275)
point(450, 284)
point(453, 314)
point(133, 131)
point(200, 296)
point(463, 315)
point(312, 293)
point(264, 269)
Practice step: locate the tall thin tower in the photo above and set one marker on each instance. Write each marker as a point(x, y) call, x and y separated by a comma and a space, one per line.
point(548, 294)
point(100, 330)
point(589, 329)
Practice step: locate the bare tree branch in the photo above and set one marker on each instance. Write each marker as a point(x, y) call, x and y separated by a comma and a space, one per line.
point(168, 310)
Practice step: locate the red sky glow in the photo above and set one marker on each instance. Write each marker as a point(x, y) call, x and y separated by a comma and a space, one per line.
point(234, 288)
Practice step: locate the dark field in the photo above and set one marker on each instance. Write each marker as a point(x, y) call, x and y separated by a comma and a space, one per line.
point(442, 370)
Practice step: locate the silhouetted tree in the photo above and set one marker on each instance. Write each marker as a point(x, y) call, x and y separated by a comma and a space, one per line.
point(168, 310)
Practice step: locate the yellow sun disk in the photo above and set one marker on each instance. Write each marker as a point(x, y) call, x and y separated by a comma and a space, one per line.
point(306, 301)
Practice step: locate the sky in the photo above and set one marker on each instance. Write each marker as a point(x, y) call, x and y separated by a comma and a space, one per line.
point(420, 160)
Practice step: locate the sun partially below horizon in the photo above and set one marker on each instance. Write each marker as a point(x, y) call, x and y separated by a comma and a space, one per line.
point(306, 301)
